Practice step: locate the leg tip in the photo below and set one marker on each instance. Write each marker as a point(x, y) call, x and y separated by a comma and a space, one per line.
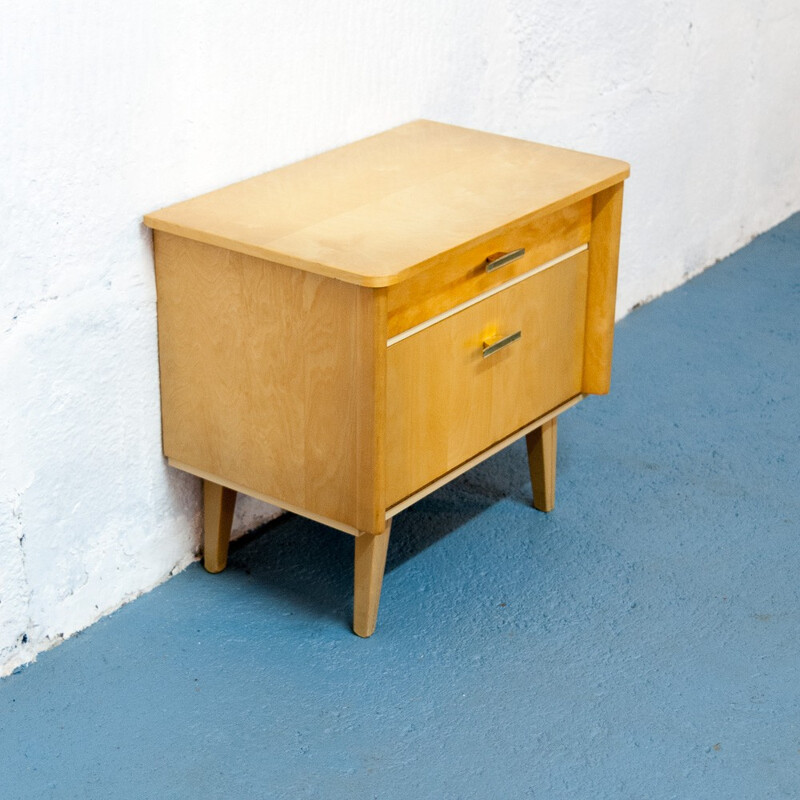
point(364, 632)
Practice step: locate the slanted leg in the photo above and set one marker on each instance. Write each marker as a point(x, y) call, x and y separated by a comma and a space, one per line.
point(542, 462)
point(369, 565)
point(218, 505)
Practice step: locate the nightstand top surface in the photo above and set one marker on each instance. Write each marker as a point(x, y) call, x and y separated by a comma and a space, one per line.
point(376, 211)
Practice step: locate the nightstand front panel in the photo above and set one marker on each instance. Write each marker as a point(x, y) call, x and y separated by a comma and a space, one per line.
point(446, 402)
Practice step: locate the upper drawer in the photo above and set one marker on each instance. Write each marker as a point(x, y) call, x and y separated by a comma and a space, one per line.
point(457, 278)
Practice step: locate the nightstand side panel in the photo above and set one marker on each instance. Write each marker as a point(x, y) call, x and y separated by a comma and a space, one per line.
point(263, 381)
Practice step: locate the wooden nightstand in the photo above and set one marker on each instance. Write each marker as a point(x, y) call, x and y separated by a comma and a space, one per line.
point(344, 335)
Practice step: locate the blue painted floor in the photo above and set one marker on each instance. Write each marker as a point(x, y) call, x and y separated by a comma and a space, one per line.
point(642, 641)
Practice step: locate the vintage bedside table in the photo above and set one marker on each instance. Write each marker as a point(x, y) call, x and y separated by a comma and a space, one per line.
point(344, 335)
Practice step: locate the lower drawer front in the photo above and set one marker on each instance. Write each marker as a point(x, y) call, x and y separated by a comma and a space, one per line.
point(447, 402)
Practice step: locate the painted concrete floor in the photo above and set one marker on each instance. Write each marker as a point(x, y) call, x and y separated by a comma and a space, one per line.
point(642, 641)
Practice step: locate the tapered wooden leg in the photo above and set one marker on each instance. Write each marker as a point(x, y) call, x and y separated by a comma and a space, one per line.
point(369, 565)
point(542, 462)
point(218, 505)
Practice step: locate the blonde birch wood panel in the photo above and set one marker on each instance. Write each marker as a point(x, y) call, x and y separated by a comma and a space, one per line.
point(266, 498)
point(408, 501)
point(448, 281)
point(445, 402)
point(602, 290)
point(259, 375)
point(267, 207)
point(378, 211)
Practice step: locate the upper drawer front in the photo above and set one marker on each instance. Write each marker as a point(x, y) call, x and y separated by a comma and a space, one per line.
point(446, 402)
point(457, 278)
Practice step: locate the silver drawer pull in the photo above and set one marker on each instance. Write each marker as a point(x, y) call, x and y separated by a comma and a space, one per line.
point(494, 345)
point(498, 260)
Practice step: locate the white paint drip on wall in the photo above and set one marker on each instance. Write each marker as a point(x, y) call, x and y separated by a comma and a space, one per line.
point(109, 111)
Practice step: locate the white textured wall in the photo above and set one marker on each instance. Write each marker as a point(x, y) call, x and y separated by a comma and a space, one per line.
point(110, 110)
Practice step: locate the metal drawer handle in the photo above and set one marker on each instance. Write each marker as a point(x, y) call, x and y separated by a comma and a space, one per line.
point(498, 260)
point(494, 345)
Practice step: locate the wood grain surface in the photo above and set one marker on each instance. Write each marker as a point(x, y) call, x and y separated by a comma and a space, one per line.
point(269, 379)
point(377, 211)
point(446, 402)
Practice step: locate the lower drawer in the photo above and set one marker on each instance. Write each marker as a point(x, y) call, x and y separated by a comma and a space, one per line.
point(446, 402)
